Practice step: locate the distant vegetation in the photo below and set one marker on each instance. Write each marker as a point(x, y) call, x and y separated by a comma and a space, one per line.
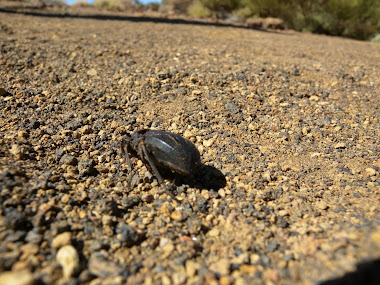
point(357, 19)
point(350, 18)
point(116, 5)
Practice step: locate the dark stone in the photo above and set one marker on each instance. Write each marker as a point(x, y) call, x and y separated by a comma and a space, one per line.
point(68, 159)
point(281, 222)
point(323, 122)
point(100, 266)
point(296, 71)
point(232, 107)
point(265, 260)
point(202, 206)
point(7, 259)
point(15, 236)
point(59, 153)
point(182, 91)
point(85, 276)
point(86, 168)
point(127, 235)
point(130, 202)
point(4, 92)
point(9, 180)
point(16, 220)
point(59, 227)
point(272, 246)
point(34, 237)
point(34, 124)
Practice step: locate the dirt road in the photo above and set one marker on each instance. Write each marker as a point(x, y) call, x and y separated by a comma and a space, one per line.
point(287, 125)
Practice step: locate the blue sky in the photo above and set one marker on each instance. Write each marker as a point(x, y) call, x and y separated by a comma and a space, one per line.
point(149, 1)
point(90, 1)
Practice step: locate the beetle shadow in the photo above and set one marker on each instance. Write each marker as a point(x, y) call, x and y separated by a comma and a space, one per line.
point(365, 273)
point(206, 177)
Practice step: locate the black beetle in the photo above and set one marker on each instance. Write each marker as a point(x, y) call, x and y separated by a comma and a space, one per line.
point(162, 150)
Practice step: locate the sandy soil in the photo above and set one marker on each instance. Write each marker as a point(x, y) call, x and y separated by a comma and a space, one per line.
point(287, 125)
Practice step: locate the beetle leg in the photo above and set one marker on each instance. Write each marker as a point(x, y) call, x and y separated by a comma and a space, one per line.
point(151, 164)
point(154, 168)
point(124, 153)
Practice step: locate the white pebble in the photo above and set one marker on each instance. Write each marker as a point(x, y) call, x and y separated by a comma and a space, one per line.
point(370, 171)
point(22, 277)
point(209, 142)
point(68, 258)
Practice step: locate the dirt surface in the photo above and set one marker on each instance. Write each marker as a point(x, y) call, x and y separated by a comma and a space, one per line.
point(287, 125)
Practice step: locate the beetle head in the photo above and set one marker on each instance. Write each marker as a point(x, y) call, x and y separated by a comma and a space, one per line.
point(127, 145)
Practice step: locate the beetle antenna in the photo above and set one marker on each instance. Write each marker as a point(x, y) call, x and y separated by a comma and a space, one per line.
point(158, 175)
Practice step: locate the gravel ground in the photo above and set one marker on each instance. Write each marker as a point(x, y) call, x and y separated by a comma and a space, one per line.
point(287, 125)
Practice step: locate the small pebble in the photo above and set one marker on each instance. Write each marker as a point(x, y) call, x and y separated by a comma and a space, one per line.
point(370, 171)
point(29, 249)
point(92, 72)
point(147, 198)
point(321, 205)
point(33, 237)
point(191, 267)
point(106, 220)
point(68, 258)
point(214, 232)
point(196, 92)
point(340, 145)
point(267, 175)
point(16, 150)
point(188, 134)
point(221, 267)
point(22, 134)
point(314, 98)
point(85, 130)
point(22, 277)
point(177, 215)
point(208, 143)
point(65, 198)
point(61, 240)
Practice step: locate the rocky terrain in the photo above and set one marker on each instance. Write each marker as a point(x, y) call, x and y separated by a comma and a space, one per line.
point(287, 125)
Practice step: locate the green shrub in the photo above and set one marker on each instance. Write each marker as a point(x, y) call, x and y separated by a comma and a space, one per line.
point(220, 8)
point(376, 39)
point(226, 5)
point(350, 18)
point(176, 6)
point(81, 4)
point(197, 9)
point(243, 12)
point(113, 5)
point(153, 6)
point(271, 8)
